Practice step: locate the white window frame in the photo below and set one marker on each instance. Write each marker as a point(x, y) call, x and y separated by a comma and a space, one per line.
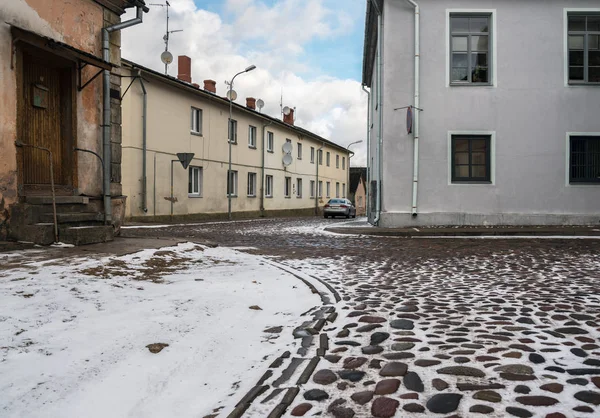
point(492, 135)
point(195, 171)
point(568, 159)
point(312, 189)
point(494, 45)
point(566, 12)
point(268, 185)
point(337, 189)
point(270, 141)
point(287, 187)
point(343, 163)
point(233, 125)
point(320, 186)
point(299, 150)
point(328, 159)
point(312, 155)
point(320, 156)
point(251, 189)
point(299, 187)
point(232, 180)
point(344, 190)
point(251, 136)
point(328, 189)
point(196, 121)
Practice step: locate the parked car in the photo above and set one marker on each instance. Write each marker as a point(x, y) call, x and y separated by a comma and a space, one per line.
point(339, 207)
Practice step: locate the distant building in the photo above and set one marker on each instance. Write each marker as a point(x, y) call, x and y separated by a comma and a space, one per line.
point(358, 189)
point(507, 128)
point(182, 117)
point(60, 105)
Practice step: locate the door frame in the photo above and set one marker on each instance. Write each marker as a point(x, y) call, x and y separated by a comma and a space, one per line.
point(68, 120)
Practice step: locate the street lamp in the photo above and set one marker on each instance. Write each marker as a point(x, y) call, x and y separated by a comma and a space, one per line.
point(230, 130)
point(350, 154)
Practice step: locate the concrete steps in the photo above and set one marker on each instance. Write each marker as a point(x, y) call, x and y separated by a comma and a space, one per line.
point(80, 221)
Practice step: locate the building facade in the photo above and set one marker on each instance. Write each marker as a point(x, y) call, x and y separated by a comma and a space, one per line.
point(503, 126)
point(276, 167)
point(60, 105)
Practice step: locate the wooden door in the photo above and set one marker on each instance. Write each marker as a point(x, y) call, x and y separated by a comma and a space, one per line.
point(45, 119)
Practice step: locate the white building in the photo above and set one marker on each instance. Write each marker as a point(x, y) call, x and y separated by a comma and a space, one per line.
point(507, 129)
point(181, 117)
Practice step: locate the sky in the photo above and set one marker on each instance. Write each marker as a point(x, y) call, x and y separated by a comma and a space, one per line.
point(308, 51)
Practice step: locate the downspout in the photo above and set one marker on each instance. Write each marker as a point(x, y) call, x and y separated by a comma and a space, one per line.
point(317, 182)
point(380, 110)
point(144, 150)
point(262, 172)
point(106, 131)
point(368, 202)
point(417, 106)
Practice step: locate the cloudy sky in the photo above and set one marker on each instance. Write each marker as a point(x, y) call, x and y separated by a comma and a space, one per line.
point(311, 50)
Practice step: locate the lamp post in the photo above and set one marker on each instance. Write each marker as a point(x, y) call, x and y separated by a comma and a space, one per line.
point(350, 154)
point(230, 131)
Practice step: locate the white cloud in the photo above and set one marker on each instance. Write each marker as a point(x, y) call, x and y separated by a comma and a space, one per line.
point(272, 38)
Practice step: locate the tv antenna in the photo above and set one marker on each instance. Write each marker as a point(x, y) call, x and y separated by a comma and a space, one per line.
point(166, 57)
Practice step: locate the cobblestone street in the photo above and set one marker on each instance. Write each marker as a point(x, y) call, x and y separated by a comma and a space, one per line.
point(428, 327)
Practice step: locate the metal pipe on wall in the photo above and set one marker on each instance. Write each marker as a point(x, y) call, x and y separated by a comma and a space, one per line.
point(417, 106)
point(144, 146)
point(379, 114)
point(262, 172)
point(368, 202)
point(106, 131)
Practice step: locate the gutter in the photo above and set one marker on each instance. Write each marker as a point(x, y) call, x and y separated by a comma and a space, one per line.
point(319, 151)
point(417, 106)
point(144, 144)
point(378, 92)
point(106, 128)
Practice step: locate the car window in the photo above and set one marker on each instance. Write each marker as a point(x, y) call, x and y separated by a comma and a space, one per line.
point(336, 202)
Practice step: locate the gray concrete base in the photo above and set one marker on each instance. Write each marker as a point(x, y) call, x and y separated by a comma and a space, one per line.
point(399, 219)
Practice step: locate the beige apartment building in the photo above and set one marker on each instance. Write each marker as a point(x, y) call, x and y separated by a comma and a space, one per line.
point(276, 167)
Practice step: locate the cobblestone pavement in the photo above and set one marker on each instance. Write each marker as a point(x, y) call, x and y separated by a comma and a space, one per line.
point(431, 327)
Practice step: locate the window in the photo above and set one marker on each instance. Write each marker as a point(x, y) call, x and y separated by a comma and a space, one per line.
point(344, 190)
point(287, 187)
point(195, 181)
point(471, 160)
point(337, 189)
point(232, 183)
point(584, 48)
point(232, 134)
point(312, 189)
point(320, 156)
point(328, 189)
point(337, 161)
point(320, 191)
point(269, 186)
point(298, 187)
point(270, 141)
point(252, 136)
point(470, 49)
point(343, 163)
point(312, 155)
point(584, 159)
point(196, 123)
point(299, 151)
point(328, 159)
point(251, 184)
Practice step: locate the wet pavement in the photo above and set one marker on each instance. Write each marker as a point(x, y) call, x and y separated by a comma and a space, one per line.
point(430, 327)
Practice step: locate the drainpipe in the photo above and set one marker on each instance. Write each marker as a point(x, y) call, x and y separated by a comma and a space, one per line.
point(262, 171)
point(106, 131)
point(368, 202)
point(378, 92)
point(144, 124)
point(317, 182)
point(417, 110)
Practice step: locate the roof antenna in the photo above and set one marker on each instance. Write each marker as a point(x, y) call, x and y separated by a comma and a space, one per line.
point(166, 57)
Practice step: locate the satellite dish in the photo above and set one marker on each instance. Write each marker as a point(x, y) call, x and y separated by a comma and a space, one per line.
point(260, 104)
point(287, 159)
point(287, 147)
point(286, 111)
point(166, 57)
point(233, 95)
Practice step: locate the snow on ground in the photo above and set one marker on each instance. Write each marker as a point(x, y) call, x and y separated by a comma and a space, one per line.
point(73, 332)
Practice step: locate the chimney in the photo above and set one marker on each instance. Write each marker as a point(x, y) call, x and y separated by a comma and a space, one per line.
point(196, 85)
point(251, 103)
point(289, 119)
point(184, 67)
point(210, 85)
